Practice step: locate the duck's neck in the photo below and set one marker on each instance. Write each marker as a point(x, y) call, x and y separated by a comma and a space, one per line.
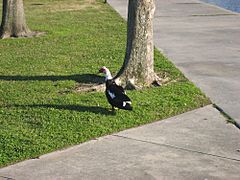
point(108, 76)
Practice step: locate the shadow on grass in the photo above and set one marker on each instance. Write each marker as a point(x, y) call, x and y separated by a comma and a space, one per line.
point(80, 78)
point(78, 108)
point(37, 4)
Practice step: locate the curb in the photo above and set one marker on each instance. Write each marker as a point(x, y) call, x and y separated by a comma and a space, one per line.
point(229, 118)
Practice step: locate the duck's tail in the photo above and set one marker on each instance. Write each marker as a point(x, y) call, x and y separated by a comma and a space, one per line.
point(128, 107)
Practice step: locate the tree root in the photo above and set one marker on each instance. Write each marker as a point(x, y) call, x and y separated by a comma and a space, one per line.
point(30, 34)
point(159, 80)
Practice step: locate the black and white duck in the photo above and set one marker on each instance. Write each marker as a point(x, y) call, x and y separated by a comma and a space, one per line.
point(116, 95)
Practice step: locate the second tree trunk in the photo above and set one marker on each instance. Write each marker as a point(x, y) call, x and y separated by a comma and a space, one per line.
point(13, 20)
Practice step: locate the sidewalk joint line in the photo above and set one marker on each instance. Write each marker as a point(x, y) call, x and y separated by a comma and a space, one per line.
point(194, 15)
point(177, 147)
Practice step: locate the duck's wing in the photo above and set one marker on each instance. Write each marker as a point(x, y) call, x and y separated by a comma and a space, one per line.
point(117, 92)
point(116, 96)
point(120, 88)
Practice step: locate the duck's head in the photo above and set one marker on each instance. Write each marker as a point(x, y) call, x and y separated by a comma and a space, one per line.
point(106, 73)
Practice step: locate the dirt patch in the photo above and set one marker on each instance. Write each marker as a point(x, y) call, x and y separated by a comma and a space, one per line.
point(84, 87)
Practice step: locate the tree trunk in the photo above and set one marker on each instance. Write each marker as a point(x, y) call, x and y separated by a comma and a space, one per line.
point(138, 67)
point(13, 20)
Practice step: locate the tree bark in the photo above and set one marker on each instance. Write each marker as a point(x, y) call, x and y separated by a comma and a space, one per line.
point(138, 67)
point(13, 20)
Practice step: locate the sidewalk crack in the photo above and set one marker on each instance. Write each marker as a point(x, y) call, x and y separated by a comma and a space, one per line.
point(177, 147)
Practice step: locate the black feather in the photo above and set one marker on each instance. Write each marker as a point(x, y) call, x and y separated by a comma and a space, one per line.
point(116, 96)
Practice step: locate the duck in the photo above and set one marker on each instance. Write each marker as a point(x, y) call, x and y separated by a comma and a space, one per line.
point(115, 94)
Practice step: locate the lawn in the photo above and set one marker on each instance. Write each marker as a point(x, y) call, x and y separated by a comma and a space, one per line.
point(40, 109)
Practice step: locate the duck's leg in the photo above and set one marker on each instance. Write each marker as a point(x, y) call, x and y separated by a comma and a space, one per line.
point(113, 109)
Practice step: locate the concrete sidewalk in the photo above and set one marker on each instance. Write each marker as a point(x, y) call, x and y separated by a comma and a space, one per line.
point(202, 40)
point(195, 145)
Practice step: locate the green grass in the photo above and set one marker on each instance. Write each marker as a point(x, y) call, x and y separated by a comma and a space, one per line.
point(39, 110)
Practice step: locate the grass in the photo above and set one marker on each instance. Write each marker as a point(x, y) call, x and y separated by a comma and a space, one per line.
point(39, 110)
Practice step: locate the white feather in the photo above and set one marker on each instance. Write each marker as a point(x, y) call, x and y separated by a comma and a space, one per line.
point(107, 74)
point(112, 95)
point(126, 102)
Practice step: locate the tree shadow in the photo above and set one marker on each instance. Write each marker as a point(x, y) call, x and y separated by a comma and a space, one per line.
point(78, 108)
point(37, 4)
point(80, 78)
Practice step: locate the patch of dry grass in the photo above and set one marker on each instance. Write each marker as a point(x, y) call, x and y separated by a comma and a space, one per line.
point(72, 5)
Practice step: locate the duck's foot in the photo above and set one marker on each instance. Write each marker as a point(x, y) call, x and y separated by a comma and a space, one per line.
point(113, 109)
